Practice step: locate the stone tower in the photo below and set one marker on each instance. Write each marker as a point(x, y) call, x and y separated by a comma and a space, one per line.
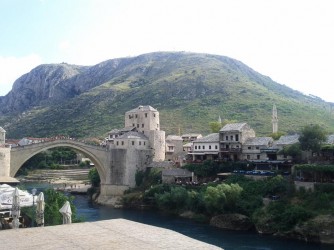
point(146, 120)
point(4, 157)
point(2, 136)
point(275, 120)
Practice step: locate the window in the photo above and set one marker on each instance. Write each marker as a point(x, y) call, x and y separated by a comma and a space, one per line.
point(133, 143)
point(209, 146)
point(122, 142)
point(203, 147)
point(249, 147)
point(216, 147)
point(117, 143)
point(236, 137)
point(231, 137)
point(133, 124)
point(248, 157)
point(146, 115)
point(136, 116)
point(140, 143)
point(144, 143)
point(154, 115)
point(129, 116)
point(137, 125)
point(226, 138)
point(258, 157)
point(142, 125)
point(257, 147)
point(195, 147)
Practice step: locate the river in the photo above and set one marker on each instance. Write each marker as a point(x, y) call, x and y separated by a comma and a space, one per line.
point(228, 240)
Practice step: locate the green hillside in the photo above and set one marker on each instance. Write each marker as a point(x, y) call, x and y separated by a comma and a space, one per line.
point(189, 90)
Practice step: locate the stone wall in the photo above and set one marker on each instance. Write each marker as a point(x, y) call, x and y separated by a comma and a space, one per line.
point(4, 161)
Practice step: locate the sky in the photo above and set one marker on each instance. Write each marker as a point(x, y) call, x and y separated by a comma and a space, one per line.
point(291, 41)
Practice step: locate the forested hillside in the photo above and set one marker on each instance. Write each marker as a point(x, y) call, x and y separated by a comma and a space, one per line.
point(189, 90)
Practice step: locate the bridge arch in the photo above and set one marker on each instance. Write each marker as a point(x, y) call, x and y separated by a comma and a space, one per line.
point(98, 155)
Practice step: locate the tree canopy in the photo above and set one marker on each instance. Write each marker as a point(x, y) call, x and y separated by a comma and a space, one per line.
point(312, 137)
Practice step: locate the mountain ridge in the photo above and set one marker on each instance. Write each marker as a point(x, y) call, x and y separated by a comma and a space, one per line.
point(189, 90)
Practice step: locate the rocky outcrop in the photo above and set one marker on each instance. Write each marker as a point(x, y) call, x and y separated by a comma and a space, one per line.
point(319, 229)
point(232, 222)
point(37, 86)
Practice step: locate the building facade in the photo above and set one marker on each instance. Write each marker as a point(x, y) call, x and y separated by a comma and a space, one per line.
point(231, 138)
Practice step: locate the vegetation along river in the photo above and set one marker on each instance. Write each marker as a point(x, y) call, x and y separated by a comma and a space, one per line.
point(228, 240)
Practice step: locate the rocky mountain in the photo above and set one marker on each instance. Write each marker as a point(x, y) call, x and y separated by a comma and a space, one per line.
point(190, 90)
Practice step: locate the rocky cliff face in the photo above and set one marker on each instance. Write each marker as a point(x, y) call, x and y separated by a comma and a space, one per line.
point(37, 86)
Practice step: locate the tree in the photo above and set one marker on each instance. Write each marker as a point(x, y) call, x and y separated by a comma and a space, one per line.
point(276, 135)
point(222, 197)
point(292, 150)
point(94, 177)
point(53, 202)
point(312, 137)
point(215, 127)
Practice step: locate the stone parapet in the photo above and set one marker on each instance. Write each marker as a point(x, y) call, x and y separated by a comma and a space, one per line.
point(117, 234)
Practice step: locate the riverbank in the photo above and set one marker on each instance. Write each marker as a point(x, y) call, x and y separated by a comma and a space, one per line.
point(67, 180)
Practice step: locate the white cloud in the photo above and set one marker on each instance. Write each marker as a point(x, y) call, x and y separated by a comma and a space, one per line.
point(14, 67)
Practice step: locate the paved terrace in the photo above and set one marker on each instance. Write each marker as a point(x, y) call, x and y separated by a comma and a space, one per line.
point(107, 234)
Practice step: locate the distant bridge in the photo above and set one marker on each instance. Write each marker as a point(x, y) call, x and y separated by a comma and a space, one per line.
point(116, 167)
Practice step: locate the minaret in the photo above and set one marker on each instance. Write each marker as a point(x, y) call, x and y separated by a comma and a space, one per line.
point(275, 120)
point(220, 120)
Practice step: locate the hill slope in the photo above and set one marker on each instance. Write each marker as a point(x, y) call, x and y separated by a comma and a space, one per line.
point(188, 89)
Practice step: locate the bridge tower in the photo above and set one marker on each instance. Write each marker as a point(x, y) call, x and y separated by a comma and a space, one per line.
point(2, 136)
point(5, 160)
point(146, 120)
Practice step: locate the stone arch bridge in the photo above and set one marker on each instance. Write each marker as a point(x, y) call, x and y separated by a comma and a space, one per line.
point(116, 167)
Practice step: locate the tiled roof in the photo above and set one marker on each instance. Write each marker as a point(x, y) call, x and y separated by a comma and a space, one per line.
point(287, 140)
point(114, 131)
point(191, 135)
point(214, 137)
point(174, 138)
point(258, 141)
point(233, 126)
point(127, 129)
point(142, 108)
point(133, 135)
point(177, 172)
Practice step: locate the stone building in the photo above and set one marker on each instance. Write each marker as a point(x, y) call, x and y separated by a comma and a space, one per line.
point(232, 136)
point(255, 148)
point(146, 120)
point(206, 148)
point(174, 148)
point(2, 136)
point(191, 137)
point(5, 160)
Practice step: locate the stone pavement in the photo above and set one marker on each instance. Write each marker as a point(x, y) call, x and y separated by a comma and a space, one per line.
point(117, 234)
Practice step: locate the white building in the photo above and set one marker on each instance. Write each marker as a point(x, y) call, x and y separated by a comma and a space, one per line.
point(206, 148)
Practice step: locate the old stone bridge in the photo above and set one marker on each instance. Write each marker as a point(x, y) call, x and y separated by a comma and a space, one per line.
point(116, 167)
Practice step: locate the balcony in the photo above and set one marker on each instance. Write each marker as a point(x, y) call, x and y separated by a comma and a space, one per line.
point(230, 150)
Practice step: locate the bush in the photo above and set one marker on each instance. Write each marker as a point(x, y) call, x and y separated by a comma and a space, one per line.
point(220, 198)
point(175, 200)
point(53, 202)
point(94, 177)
